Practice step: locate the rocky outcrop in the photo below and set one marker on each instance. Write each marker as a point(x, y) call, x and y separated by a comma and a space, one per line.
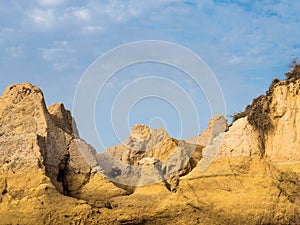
point(269, 127)
point(144, 142)
point(27, 193)
point(217, 125)
point(240, 140)
point(283, 142)
point(150, 156)
point(245, 173)
point(36, 138)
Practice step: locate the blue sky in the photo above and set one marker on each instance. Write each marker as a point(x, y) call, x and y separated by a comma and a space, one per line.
point(51, 43)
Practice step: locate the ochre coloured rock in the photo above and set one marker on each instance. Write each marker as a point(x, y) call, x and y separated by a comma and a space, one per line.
point(150, 156)
point(237, 174)
point(41, 156)
point(283, 143)
point(216, 125)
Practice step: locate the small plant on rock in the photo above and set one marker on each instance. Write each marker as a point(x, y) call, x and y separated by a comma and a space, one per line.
point(295, 69)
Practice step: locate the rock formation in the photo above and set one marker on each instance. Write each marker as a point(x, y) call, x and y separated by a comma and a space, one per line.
point(149, 156)
point(41, 153)
point(217, 125)
point(245, 173)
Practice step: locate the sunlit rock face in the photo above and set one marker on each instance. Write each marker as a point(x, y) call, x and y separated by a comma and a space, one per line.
point(150, 156)
point(229, 174)
point(42, 143)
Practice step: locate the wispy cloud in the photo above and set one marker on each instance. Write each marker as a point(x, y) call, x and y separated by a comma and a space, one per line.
point(225, 33)
point(93, 29)
point(60, 55)
point(82, 14)
point(51, 2)
point(44, 18)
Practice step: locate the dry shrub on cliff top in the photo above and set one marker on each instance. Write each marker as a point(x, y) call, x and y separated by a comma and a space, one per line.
point(258, 113)
point(258, 116)
point(295, 69)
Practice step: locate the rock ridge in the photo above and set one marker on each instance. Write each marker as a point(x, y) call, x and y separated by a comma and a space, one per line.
point(245, 173)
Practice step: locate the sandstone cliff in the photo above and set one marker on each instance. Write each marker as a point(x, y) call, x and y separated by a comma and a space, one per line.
point(245, 173)
point(41, 158)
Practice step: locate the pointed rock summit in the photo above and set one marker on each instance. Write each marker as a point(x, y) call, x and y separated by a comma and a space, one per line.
point(140, 131)
point(216, 125)
point(144, 142)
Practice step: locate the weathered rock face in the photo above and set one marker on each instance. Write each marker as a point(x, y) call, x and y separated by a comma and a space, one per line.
point(273, 130)
point(217, 125)
point(248, 173)
point(24, 143)
point(63, 119)
point(149, 156)
point(22, 123)
point(144, 142)
point(253, 167)
point(36, 138)
point(240, 140)
point(283, 141)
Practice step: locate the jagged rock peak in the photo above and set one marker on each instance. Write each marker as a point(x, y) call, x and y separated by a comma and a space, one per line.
point(141, 131)
point(22, 110)
point(143, 141)
point(145, 149)
point(63, 118)
point(216, 125)
point(17, 92)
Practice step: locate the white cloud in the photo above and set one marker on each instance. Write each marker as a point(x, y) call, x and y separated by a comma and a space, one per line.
point(96, 16)
point(43, 18)
point(51, 2)
point(61, 56)
point(229, 28)
point(120, 11)
point(82, 14)
point(51, 19)
point(93, 29)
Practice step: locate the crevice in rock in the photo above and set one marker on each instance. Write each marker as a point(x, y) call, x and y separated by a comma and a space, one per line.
point(4, 191)
point(63, 170)
point(174, 181)
point(213, 176)
point(42, 144)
